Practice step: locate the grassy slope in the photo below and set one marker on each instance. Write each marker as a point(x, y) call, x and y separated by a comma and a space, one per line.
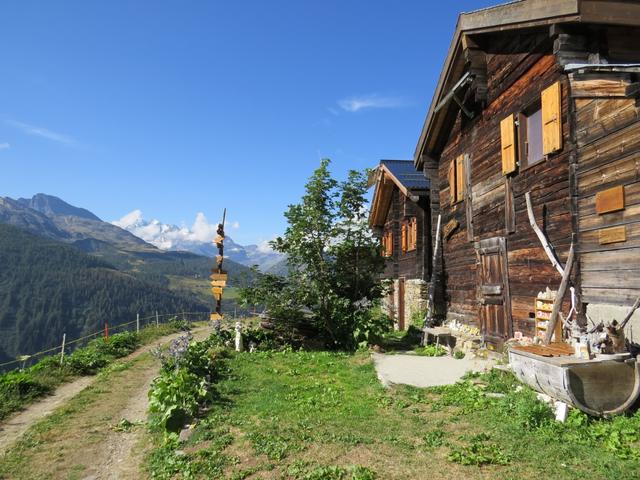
point(325, 416)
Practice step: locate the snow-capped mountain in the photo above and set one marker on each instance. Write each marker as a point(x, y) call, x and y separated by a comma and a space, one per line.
point(197, 239)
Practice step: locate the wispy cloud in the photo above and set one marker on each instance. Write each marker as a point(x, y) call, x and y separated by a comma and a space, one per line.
point(357, 103)
point(235, 225)
point(43, 133)
point(4, 146)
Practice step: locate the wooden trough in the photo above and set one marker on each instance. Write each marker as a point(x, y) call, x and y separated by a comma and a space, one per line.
point(605, 386)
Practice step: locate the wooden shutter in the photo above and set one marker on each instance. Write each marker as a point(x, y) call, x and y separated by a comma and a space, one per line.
point(552, 119)
point(404, 237)
point(452, 181)
point(460, 178)
point(508, 142)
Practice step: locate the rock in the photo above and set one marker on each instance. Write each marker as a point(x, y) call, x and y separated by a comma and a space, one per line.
point(186, 433)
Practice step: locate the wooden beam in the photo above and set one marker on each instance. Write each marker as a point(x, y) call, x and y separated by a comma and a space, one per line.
point(557, 303)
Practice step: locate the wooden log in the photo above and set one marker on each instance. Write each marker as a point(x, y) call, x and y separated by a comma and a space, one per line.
point(559, 296)
point(541, 236)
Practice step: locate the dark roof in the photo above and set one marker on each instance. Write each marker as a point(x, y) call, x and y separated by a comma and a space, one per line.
point(406, 173)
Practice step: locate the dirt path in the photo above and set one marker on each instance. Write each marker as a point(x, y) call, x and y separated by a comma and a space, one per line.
point(116, 457)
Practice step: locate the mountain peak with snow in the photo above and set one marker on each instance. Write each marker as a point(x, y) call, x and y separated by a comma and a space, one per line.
point(197, 239)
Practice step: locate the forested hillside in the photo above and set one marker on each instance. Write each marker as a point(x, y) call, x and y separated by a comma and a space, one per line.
point(47, 288)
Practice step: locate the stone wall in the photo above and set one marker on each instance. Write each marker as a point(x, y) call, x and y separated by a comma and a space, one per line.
point(415, 300)
point(606, 313)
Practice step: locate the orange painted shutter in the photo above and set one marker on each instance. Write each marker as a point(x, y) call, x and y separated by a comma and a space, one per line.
point(552, 119)
point(508, 142)
point(452, 181)
point(414, 233)
point(404, 237)
point(460, 183)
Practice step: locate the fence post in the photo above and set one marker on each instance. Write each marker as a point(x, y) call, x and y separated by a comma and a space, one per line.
point(137, 323)
point(106, 331)
point(64, 339)
point(157, 320)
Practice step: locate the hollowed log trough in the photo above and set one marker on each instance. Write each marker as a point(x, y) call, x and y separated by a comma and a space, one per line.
point(605, 386)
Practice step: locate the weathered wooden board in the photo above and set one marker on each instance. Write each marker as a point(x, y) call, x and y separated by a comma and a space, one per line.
point(610, 200)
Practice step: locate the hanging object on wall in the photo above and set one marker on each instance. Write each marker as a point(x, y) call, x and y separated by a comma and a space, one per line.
point(218, 275)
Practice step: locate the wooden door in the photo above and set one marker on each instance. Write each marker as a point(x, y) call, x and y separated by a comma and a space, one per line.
point(401, 304)
point(493, 292)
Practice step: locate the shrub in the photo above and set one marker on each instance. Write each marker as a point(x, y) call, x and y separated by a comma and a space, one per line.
point(431, 351)
point(87, 361)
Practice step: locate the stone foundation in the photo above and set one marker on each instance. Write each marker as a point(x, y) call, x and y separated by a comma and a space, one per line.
point(415, 300)
point(606, 314)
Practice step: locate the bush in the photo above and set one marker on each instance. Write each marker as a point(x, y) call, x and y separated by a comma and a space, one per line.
point(87, 361)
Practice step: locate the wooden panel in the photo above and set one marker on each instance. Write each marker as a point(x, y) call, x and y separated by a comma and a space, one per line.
point(612, 235)
point(616, 260)
point(610, 200)
point(460, 176)
point(468, 197)
point(594, 85)
point(552, 119)
point(596, 118)
point(508, 144)
point(452, 181)
point(620, 296)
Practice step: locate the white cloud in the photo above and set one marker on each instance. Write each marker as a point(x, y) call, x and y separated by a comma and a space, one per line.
point(264, 247)
point(42, 132)
point(235, 225)
point(167, 236)
point(357, 103)
point(4, 146)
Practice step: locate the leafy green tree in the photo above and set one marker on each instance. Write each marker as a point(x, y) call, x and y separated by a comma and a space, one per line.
point(334, 264)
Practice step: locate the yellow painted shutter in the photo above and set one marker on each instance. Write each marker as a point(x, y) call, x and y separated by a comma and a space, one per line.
point(460, 183)
point(508, 142)
point(552, 119)
point(452, 181)
point(404, 237)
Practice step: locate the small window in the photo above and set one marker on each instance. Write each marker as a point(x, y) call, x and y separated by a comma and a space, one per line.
point(531, 133)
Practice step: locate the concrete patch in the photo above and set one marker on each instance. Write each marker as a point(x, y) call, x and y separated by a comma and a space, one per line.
point(422, 371)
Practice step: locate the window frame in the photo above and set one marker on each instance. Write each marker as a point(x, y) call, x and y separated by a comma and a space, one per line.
point(523, 140)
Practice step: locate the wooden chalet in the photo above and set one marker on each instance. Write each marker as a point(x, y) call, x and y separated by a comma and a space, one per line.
point(400, 216)
point(536, 96)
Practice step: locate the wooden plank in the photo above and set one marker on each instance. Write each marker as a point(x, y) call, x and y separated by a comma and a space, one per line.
point(587, 205)
point(218, 283)
point(460, 178)
point(552, 119)
point(612, 278)
point(611, 296)
point(596, 85)
point(610, 261)
point(629, 215)
point(612, 235)
point(610, 200)
point(218, 276)
point(468, 197)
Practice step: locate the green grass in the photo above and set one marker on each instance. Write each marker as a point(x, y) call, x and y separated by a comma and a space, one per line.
point(320, 415)
point(20, 388)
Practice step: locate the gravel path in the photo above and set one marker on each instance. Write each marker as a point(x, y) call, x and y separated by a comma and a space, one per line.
point(422, 371)
point(14, 426)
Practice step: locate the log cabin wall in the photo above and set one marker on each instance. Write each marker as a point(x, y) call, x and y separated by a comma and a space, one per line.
point(515, 80)
point(607, 121)
point(412, 264)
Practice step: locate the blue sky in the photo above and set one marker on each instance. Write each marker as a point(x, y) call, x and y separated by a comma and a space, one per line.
point(180, 107)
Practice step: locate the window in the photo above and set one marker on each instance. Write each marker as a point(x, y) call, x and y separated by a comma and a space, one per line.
point(531, 136)
point(387, 244)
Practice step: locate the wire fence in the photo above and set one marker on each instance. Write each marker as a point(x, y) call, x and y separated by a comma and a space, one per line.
point(68, 346)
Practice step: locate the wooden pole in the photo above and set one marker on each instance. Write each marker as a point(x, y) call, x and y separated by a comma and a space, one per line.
point(557, 303)
point(432, 286)
point(106, 331)
point(543, 239)
point(630, 314)
point(157, 320)
point(64, 339)
point(137, 323)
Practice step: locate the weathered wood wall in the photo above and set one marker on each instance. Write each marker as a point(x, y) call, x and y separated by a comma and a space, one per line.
point(515, 80)
point(414, 263)
point(608, 139)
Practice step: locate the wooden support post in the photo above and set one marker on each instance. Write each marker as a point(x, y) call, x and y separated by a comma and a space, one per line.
point(64, 340)
point(557, 303)
point(432, 287)
point(137, 323)
point(157, 320)
point(106, 331)
point(543, 239)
